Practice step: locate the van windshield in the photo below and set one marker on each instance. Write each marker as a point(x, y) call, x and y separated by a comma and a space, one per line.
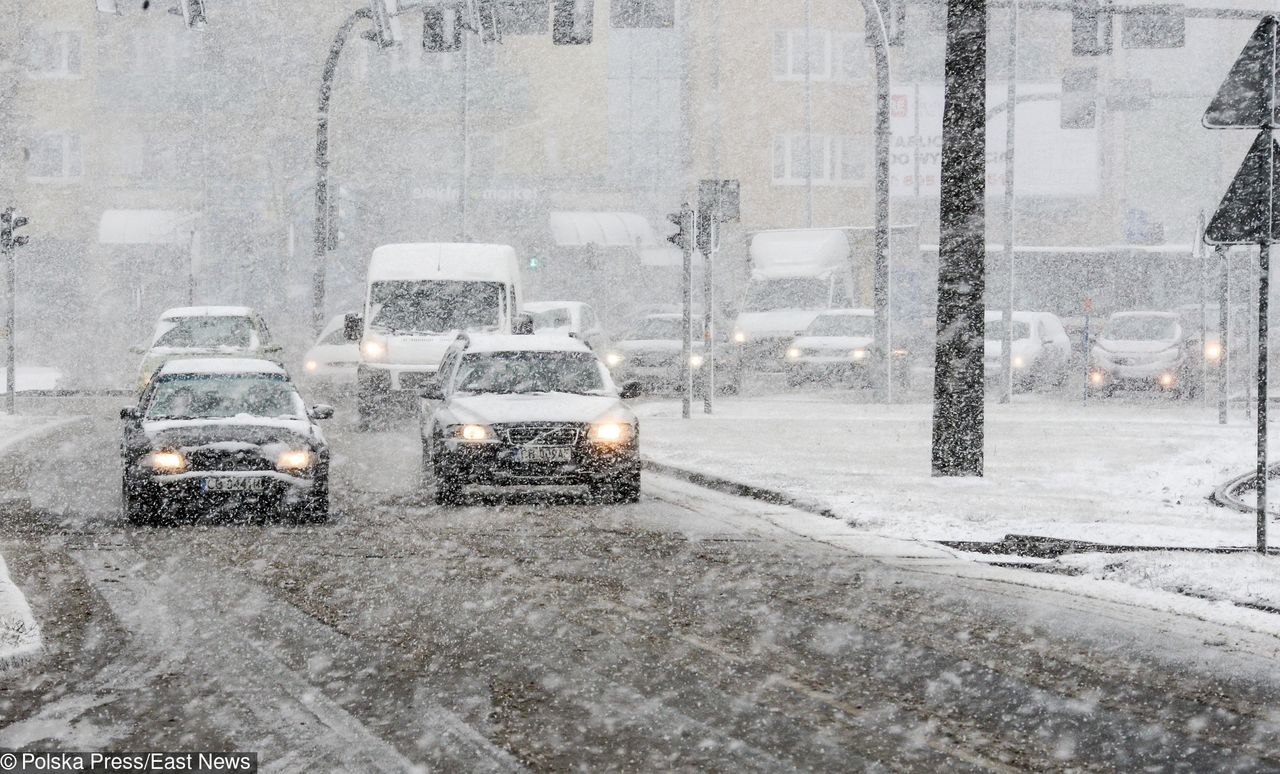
point(807, 293)
point(435, 306)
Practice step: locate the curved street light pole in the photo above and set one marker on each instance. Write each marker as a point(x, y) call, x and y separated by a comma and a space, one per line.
point(322, 167)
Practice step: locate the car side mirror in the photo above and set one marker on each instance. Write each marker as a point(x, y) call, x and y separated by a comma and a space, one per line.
point(1048, 342)
point(630, 391)
point(522, 324)
point(432, 390)
point(352, 327)
point(321, 411)
point(138, 349)
point(273, 348)
point(130, 412)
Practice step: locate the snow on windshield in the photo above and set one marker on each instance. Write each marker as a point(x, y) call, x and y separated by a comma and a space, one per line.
point(1140, 328)
point(530, 372)
point(435, 306)
point(204, 332)
point(218, 396)
point(995, 330)
point(842, 325)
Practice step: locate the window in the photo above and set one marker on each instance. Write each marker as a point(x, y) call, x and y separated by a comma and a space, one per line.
point(836, 55)
point(837, 159)
point(55, 156)
point(54, 55)
point(635, 14)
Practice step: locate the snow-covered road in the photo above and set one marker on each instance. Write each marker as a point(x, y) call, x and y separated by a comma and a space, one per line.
point(693, 630)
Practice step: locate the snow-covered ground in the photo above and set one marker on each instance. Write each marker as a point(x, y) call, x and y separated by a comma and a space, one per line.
point(1124, 472)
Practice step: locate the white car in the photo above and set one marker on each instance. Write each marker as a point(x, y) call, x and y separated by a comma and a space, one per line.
point(649, 354)
point(1146, 350)
point(568, 318)
point(206, 331)
point(330, 364)
point(1041, 354)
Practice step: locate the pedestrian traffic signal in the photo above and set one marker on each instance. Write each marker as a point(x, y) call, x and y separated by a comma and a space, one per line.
point(1090, 28)
point(441, 29)
point(681, 220)
point(9, 223)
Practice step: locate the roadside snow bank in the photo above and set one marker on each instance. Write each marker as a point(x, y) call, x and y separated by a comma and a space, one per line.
point(19, 632)
point(1243, 579)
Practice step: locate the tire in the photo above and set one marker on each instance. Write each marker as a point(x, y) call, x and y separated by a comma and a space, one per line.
point(624, 488)
point(140, 507)
point(315, 508)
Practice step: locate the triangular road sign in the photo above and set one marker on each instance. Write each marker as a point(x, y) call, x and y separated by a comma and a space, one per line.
point(1248, 213)
point(1247, 99)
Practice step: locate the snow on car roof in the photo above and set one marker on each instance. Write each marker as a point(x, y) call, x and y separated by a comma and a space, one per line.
point(207, 311)
point(221, 365)
point(522, 343)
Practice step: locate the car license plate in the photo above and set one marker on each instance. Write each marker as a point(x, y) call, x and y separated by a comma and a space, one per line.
point(545, 454)
point(232, 484)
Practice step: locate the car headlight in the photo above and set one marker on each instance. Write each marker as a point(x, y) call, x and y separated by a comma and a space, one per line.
point(858, 354)
point(473, 432)
point(1213, 350)
point(794, 353)
point(609, 432)
point(1166, 379)
point(613, 359)
point(1018, 362)
point(293, 459)
point(740, 337)
point(374, 350)
point(168, 461)
point(695, 361)
point(312, 365)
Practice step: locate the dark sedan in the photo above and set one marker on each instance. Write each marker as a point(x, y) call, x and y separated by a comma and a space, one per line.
point(226, 435)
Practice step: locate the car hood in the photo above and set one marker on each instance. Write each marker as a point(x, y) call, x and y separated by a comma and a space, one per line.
point(782, 322)
point(241, 431)
point(491, 408)
point(1135, 347)
point(833, 343)
point(416, 348)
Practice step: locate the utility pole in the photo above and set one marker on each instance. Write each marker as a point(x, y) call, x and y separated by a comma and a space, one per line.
point(10, 222)
point(684, 238)
point(1011, 111)
point(958, 381)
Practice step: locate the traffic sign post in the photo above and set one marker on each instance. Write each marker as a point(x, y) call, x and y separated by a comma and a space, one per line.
point(1247, 214)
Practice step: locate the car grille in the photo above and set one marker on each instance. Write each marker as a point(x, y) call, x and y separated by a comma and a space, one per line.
point(540, 434)
point(218, 459)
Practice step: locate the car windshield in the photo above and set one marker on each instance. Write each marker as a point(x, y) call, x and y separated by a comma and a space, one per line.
point(529, 372)
point(656, 328)
point(551, 318)
point(996, 330)
point(842, 325)
point(1139, 328)
point(206, 332)
point(216, 396)
point(789, 293)
point(435, 306)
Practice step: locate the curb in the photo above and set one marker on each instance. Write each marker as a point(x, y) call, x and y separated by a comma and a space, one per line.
point(729, 486)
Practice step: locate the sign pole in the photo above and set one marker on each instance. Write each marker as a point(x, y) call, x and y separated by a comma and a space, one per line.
point(689, 220)
point(1224, 291)
point(1264, 281)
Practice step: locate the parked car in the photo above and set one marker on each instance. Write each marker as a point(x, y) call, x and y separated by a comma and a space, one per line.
point(1146, 350)
point(568, 318)
point(206, 331)
point(840, 345)
point(518, 410)
point(1041, 355)
point(226, 434)
point(649, 354)
point(329, 367)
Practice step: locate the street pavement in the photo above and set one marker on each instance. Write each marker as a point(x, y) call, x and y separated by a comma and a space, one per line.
point(690, 631)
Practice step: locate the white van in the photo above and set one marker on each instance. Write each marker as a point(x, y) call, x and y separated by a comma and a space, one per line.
point(419, 298)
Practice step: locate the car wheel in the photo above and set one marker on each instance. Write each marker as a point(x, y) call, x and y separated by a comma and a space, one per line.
point(624, 488)
point(140, 507)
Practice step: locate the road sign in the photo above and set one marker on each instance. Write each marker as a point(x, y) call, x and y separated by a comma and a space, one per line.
point(1247, 214)
point(1246, 99)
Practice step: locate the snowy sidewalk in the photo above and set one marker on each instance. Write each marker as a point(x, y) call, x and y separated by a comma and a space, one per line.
point(19, 631)
point(1123, 472)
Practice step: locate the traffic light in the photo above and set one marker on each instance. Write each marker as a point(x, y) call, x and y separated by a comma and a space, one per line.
point(571, 22)
point(9, 223)
point(1090, 28)
point(705, 231)
point(193, 13)
point(534, 262)
point(386, 27)
point(681, 220)
point(1079, 107)
point(481, 17)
